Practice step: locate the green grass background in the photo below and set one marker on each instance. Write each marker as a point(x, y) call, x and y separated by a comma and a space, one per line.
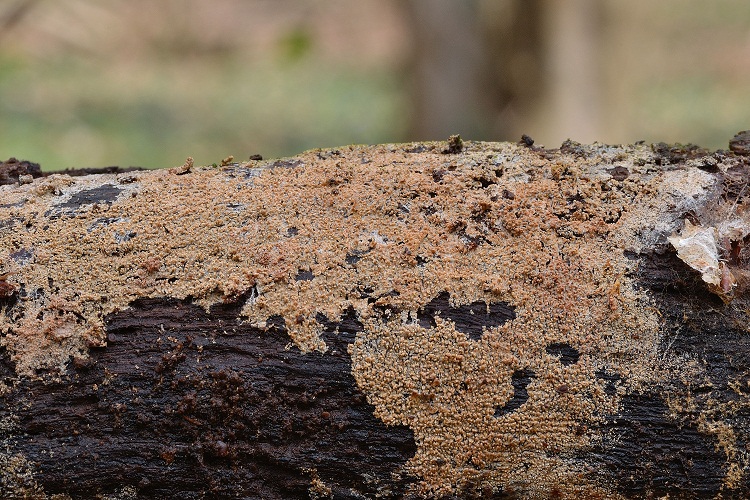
point(70, 96)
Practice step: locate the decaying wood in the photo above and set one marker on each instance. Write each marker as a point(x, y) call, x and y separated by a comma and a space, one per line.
point(420, 320)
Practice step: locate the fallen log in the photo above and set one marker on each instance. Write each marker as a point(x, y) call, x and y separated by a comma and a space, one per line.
point(419, 320)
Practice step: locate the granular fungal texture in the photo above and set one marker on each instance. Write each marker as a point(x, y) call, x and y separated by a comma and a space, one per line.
point(502, 308)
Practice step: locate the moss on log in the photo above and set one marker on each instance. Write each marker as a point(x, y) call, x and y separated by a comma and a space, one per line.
point(493, 320)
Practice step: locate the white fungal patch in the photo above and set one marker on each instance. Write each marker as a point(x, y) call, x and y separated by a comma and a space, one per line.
point(696, 247)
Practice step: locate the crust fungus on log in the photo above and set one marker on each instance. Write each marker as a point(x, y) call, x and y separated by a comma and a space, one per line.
point(493, 320)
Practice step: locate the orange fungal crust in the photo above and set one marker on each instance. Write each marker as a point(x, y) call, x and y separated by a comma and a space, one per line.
point(543, 231)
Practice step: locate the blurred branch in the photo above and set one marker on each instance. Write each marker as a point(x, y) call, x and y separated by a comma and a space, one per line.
point(14, 15)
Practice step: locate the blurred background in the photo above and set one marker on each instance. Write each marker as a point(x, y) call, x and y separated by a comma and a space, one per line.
point(93, 83)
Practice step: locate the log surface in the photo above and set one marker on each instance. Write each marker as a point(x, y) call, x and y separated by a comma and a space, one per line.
point(421, 320)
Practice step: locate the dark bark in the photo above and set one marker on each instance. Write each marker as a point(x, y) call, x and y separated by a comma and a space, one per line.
point(12, 169)
point(645, 449)
point(183, 404)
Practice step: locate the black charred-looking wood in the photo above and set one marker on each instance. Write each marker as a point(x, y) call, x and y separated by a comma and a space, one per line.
point(74, 172)
point(645, 448)
point(520, 380)
point(184, 404)
point(469, 319)
point(568, 354)
point(11, 169)
point(740, 143)
point(674, 154)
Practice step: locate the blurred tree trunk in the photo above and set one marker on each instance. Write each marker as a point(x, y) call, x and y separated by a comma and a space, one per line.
point(449, 56)
point(571, 49)
point(497, 69)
